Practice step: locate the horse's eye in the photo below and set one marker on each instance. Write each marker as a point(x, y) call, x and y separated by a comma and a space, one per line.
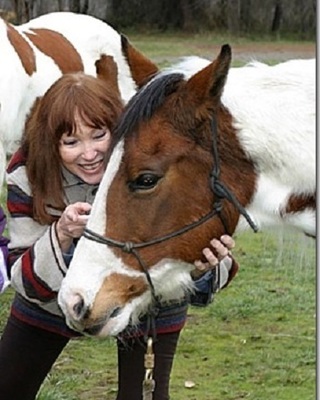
point(144, 182)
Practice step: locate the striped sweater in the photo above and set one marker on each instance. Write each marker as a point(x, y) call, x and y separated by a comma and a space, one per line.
point(37, 265)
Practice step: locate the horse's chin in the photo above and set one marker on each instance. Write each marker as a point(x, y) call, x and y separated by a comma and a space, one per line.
point(112, 327)
point(103, 328)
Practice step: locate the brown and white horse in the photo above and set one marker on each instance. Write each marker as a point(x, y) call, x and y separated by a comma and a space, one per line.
point(35, 54)
point(188, 154)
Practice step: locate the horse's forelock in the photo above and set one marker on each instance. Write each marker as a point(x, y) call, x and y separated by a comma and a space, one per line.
point(145, 102)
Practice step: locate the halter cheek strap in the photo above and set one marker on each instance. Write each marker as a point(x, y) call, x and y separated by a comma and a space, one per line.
point(220, 190)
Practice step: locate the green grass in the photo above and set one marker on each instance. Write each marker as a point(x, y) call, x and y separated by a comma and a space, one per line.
point(256, 341)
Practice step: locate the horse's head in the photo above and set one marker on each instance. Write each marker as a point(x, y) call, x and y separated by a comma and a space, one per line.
point(155, 209)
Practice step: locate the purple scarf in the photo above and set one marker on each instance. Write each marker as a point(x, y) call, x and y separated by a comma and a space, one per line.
point(3, 245)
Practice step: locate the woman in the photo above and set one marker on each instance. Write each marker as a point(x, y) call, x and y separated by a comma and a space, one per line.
point(52, 181)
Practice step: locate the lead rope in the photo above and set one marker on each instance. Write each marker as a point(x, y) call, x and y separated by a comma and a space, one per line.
point(148, 384)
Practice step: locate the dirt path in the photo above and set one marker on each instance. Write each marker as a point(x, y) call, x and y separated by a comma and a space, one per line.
point(273, 51)
point(269, 52)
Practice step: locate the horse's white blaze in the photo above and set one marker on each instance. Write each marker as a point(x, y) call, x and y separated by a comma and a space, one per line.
point(90, 256)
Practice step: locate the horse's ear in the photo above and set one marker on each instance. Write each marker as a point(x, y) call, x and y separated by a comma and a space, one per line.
point(107, 70)
point(210, 81)
point(142, 69)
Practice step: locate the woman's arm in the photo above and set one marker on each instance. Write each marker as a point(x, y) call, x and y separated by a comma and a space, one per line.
point(35, 259)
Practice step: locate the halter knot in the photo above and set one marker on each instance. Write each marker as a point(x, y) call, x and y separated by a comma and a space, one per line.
point(218, 187)
point(128, 247)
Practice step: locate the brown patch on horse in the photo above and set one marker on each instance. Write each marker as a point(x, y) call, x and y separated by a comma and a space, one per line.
point(57, 47)
point(299, 202)
point(116, 286)
point(142, 69)
point(107, 70)
point(23, 49)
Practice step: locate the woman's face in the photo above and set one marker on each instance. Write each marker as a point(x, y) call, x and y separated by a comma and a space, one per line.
point(83, 153)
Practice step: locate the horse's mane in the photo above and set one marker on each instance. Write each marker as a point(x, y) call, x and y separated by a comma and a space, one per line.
point(145, 102)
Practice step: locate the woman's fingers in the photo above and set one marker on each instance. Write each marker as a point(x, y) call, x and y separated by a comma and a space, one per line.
point(228, 241)
point(212, 259)
point(219, 248)
point(218, 251)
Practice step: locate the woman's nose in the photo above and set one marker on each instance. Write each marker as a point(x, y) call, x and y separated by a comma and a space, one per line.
point(89, 152)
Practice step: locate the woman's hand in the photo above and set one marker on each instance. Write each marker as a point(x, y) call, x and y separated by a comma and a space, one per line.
point(219, 250)
point(215, 274)
point(72, 223)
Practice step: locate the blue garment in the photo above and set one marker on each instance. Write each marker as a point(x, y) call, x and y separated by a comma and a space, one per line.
point(205, 288)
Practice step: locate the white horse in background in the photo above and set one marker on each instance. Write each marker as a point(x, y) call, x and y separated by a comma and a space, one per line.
point(37, 53)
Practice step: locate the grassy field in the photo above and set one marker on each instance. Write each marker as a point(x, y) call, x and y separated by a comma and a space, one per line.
point(257, 341)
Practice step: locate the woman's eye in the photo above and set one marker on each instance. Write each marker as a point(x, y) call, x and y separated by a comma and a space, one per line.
point(100, 134)
point(144, 182)
point(69, 142)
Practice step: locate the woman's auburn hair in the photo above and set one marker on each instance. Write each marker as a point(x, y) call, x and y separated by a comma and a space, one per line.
point(52, 116)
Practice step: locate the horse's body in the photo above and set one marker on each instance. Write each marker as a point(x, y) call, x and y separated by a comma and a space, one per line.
point(158, 181)
point(35, 54)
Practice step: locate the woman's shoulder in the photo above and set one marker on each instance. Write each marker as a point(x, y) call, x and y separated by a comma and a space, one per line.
point(17, 174)
point(17, 160)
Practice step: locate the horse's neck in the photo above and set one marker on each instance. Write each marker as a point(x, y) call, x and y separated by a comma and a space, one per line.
point(274, 113)
point(267, 205)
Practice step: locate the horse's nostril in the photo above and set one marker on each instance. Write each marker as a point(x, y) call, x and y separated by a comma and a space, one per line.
point(78, 309)
point(115, 312)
